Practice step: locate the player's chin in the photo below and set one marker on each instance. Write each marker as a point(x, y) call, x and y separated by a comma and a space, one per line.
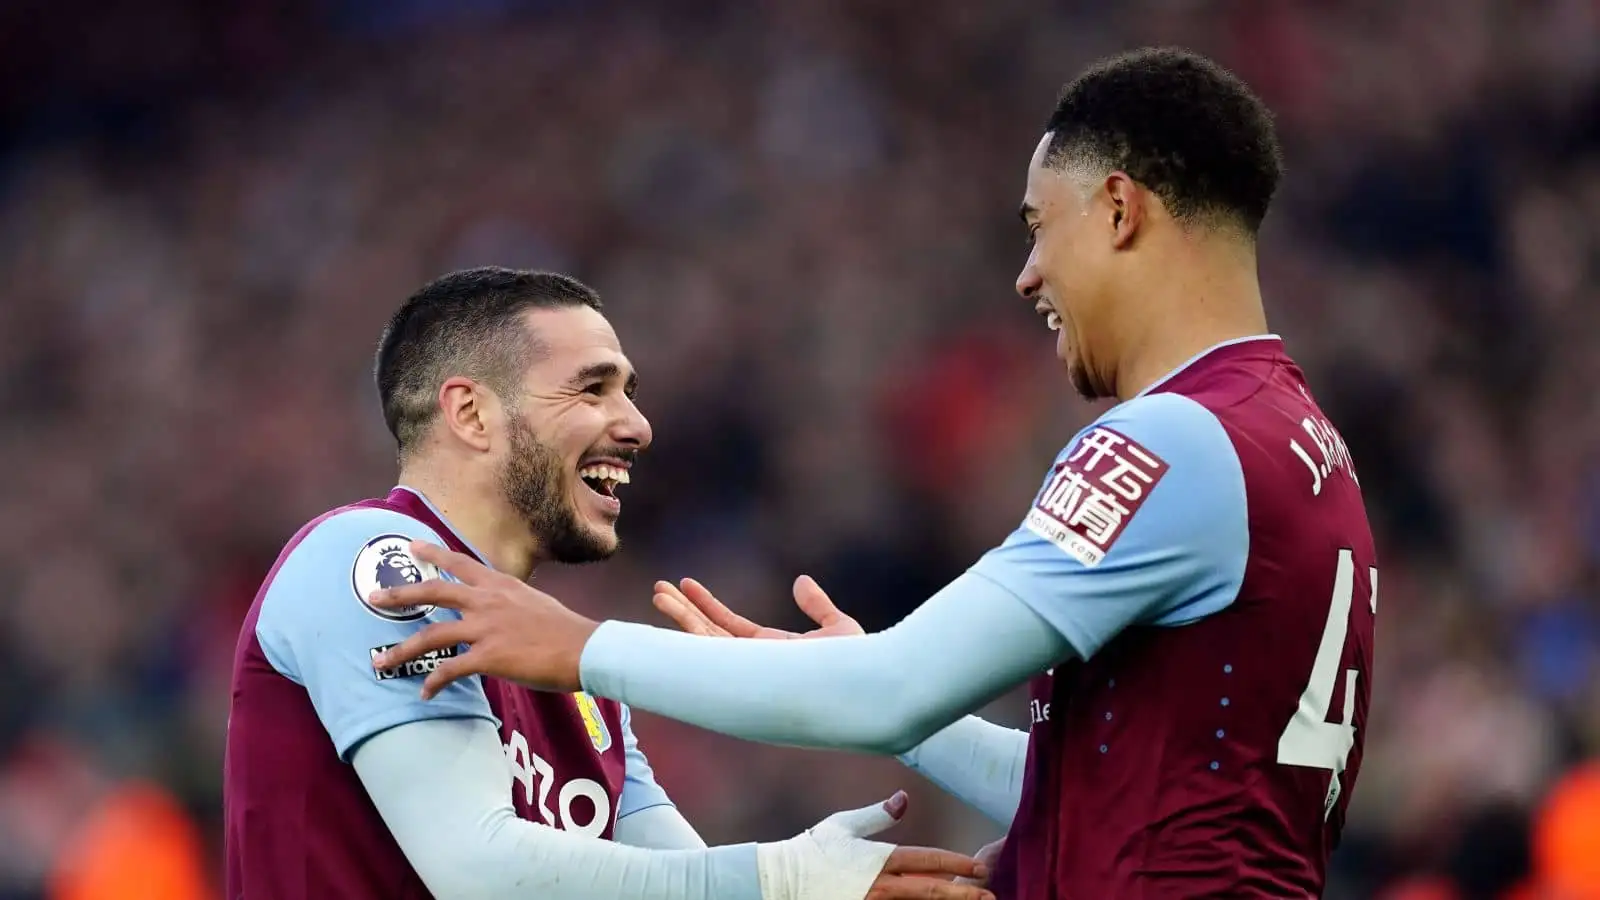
point(602, 541)
point(591, 537)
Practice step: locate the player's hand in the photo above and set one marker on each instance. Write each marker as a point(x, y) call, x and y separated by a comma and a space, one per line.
point(833, 861)
point(515, 631)
point(698, 611)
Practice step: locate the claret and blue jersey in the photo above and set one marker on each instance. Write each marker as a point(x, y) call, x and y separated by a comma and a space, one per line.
point(1205, 550)
point(299, 823)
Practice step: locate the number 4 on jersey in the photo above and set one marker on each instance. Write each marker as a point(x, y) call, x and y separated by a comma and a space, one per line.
point(1309, 739)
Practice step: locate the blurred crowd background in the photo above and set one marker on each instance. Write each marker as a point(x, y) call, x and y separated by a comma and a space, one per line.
point(802, 218)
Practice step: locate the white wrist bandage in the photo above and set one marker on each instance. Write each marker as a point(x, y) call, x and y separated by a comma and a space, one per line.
point(830, 861)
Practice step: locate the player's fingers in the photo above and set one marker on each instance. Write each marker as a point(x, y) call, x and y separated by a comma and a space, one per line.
point(434, 592)
point(726, 622)
point(448, 671)
point(462, 566)
point(933, 861)
point(670, 603)
point(897, 804)
point(435, 637)
point(950, 879)
point(815, 603)
point(687, 611)
point(868, 820)
point(719, 614)
point(912, 887)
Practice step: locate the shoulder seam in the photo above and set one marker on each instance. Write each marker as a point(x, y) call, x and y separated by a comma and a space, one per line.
point(1178, 399)
point(342, 512)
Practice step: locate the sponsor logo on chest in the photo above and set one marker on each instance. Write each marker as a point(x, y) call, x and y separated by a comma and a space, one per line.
point(579, 805)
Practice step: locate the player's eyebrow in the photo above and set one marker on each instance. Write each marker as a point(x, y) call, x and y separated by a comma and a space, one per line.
point(605, 371)
point(1027, 211)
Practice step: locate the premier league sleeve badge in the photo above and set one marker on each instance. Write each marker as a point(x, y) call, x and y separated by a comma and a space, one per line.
point(384, 562)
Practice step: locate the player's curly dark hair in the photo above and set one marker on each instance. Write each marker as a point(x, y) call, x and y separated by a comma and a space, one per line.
point(1177, 123)
point(465, 323)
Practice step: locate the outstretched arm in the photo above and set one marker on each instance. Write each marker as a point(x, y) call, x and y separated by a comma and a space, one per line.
point(978, 762)
point(880, 693)
point(458, 830)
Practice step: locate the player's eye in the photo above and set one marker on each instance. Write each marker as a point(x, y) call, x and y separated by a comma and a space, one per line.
point(1033, 235)
point(596, 388)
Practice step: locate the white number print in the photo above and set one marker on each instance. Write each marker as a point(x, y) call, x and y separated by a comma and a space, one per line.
point(1310, 739)
point(535, 774)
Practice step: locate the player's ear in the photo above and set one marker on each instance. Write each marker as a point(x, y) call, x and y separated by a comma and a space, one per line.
point(1127, 202)
point(466, 410)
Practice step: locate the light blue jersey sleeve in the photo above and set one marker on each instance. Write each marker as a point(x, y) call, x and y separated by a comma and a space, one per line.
point(452, 817)
point(878, 693)
point(646, 816)
point(977, 762)
point(1142, 520)
point(317, 630)
point(639, 789)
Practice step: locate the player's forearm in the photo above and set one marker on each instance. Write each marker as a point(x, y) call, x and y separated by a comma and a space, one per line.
point(658, 828)
point(882, 693)
point(534, 861)
point(977, 762)
point(457, 829)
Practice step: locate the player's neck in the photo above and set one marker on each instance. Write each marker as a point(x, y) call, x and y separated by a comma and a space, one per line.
point(1208, 304)
point(481, 518)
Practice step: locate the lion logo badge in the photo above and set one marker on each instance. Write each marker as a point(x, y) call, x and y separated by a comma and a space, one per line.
point(384, 562)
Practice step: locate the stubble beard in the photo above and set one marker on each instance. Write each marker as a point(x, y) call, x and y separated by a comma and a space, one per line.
point(534, 481)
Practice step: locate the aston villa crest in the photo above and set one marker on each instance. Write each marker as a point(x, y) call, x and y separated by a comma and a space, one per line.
point(593, 721)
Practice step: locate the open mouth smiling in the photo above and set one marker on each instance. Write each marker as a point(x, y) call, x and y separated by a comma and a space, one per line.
point(1052, 319)
point(603, 478)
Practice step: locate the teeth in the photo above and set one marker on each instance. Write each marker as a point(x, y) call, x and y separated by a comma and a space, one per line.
point(1053, 321)
point(605, 473)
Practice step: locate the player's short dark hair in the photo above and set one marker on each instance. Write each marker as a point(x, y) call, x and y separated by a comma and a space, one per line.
point(465, 323)
point(1178, 124)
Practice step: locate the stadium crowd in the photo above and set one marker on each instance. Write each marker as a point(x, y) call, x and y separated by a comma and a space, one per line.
point(801, 218)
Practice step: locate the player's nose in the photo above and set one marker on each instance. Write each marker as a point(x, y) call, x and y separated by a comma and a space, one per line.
point(1028, 280)
point(631, 428)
